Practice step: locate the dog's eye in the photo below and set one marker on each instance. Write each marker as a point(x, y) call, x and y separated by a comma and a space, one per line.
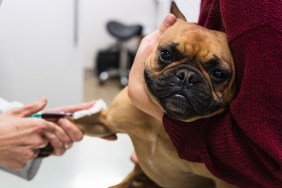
point(165, 56)
point(218, 76)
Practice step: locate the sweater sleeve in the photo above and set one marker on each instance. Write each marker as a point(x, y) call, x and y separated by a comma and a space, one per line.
point(244, 145)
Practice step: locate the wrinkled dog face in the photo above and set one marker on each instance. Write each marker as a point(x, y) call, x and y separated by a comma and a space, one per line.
point(191, 72)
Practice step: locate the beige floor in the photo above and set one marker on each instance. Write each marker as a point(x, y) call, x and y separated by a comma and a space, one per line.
point(93, 90)
point(91, 163)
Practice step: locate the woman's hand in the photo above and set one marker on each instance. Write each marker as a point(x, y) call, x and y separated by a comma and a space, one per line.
point(22, 137)
point(69, 128)
point(136, 86)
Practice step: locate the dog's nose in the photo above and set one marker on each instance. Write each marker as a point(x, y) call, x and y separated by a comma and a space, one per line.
point(187, 76)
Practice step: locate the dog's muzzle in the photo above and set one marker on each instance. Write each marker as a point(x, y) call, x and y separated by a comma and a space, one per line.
point(182, 92)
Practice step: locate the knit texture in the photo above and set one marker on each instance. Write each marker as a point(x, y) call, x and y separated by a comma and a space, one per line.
point(244, 145)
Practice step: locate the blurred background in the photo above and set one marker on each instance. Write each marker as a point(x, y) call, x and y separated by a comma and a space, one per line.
point(58, 49)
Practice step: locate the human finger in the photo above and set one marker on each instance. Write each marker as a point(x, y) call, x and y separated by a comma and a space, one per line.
point(37, 141)
point(72, 130)
point(149, 42)
point(66, 136)
point(152, 38)
point(73, 108)
point(57, 138)
point(168, 21)
point(134, 157)
point(57, 145)
point(35, 153)
point(29, 109)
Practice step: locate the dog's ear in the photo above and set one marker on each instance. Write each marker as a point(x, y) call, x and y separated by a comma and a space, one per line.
point(175, 10)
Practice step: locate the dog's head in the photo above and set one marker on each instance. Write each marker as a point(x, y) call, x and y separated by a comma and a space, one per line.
point(191, 73)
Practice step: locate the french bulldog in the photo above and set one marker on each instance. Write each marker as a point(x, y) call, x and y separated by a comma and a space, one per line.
point(190, 75)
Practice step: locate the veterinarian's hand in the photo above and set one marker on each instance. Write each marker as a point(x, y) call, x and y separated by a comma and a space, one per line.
point(69, 127)
point(136, 86)
point(21, 137)
point(70, 132)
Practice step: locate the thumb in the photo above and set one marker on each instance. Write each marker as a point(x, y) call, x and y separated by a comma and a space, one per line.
point(168, 21)
point(29, 109)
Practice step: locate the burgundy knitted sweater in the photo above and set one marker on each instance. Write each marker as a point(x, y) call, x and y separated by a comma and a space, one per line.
point(244, 145)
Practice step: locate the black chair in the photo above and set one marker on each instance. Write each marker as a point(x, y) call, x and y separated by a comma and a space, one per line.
point(122, 33)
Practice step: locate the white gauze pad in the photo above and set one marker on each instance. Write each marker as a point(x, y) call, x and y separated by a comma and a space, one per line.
point(97, 107)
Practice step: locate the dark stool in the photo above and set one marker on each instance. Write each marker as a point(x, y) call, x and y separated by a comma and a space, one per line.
point(122, 33)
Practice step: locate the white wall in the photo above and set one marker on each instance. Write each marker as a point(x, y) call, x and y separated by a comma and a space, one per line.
point(190, 9)
point(37, 55)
